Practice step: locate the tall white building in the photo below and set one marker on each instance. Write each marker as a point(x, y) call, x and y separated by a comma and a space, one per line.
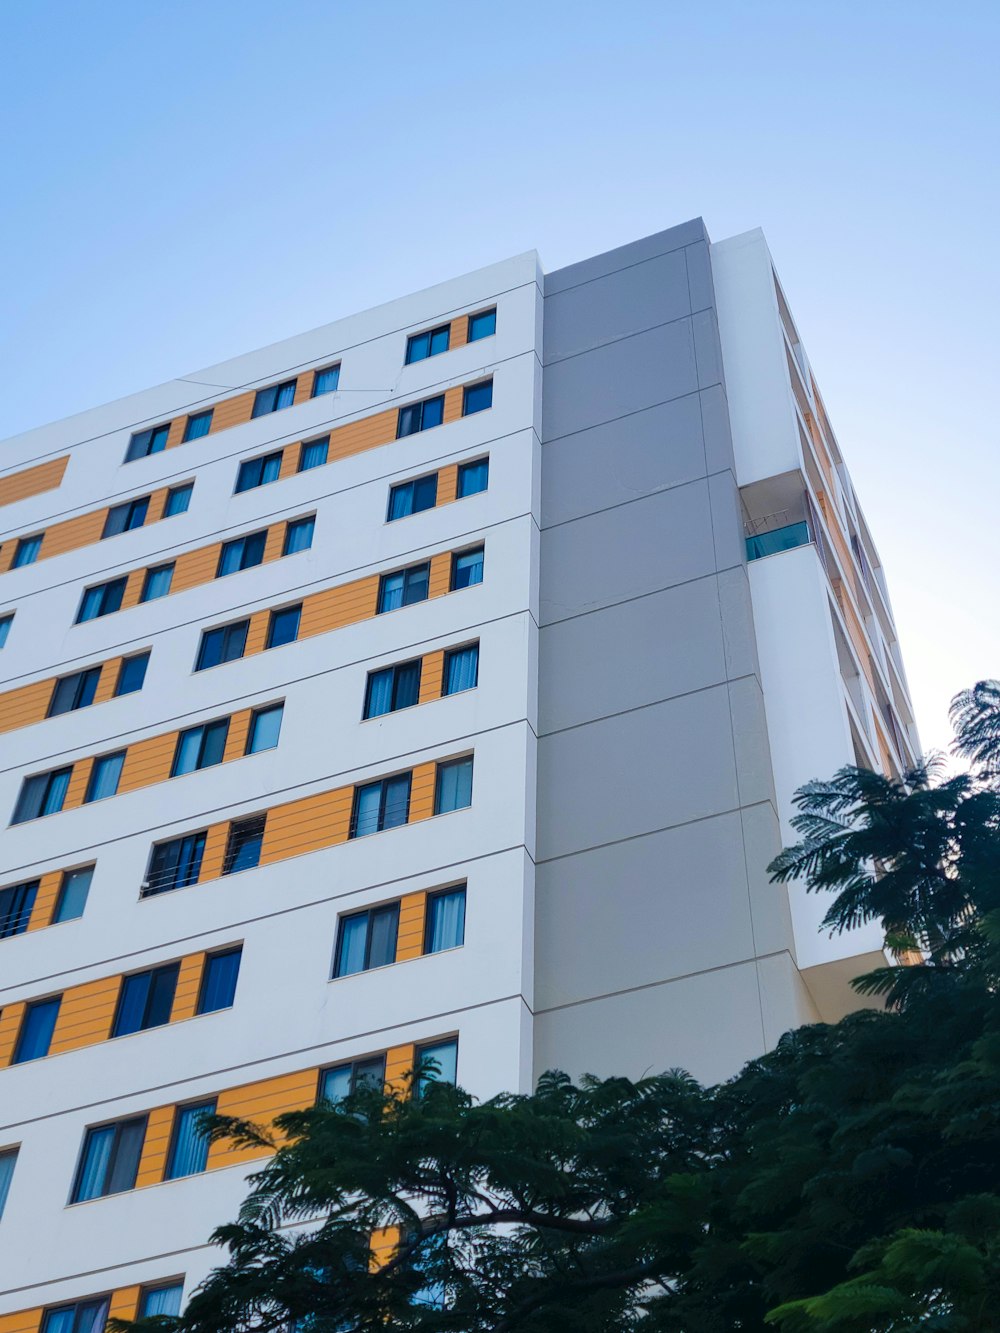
point(434, 681)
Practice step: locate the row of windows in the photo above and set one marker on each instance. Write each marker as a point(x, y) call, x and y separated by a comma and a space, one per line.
point(412, 497)
point(419, 346)
point(18, 900)
point(429, 412)
point(91, 1315)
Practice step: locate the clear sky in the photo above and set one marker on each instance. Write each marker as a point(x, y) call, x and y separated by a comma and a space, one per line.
point(184, 180)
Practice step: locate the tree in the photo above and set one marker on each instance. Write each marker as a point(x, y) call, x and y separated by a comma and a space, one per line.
point(847, 1182)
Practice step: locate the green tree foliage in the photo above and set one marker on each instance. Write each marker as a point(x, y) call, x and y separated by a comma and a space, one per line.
point(847, 1182)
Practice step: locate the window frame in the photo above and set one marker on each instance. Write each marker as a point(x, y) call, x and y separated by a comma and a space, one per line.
point(262, 710)
point(88, 796)
point(469, 390)
point(276, 390)
point(119, 1126)
point(353, 1065)
point(323, 440)
point(456, 556)
point(314, 390)
point(412, 485)
point(83, 678)
point(31, 1007)
point(153, 432)
point(64, 883)
point(153, 973)
point(32, 545)
point(131, 507)
point(430, 335)
point(442, 766)
point(421, 404)
point(145, 654)
point(258, 461)
point(293, 525)
point(103, 1299)
point(383, 784)
point(6, 620)
point(204, 728)
point(210, 957)
point(49, 775)
point(481, 314)
point(272, 619)
point(148, 890)
point(392, 906)
point(224, 631)
point(202, 1105)
point(242, 539)
point(406, 572)
point(185, 488)
point(192, 417)
point(150, 574)
point(432, 896)
point(464, 467)
point(420, 1050)
point(120, 582)
point(395, 668)
point(28, 891)
point(230, 854)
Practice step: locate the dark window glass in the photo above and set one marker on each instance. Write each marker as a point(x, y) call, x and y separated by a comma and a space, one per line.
point(477, 398)
point(403, 587)
point(73, 893)
point(26, 552)
point(83, 1317)
point(453, 787)
point(104, 777)
point(444, 927)
point(466, 568)
point(482, 325)
point(145, 1000)
point(461, 669)
point(241, 553)
point(265, 728)
point(146, 442)
point(189, 1145)
point(225, 644)
point(8, 1160)
point(411, 497)
point(314, 454)
point(109, 1162)
point(16, 903)
point(218, 982)
point(258, 472)
point(437, 1062)
point(101, 600)
point(5, 624)
point(197, 425)
point(299, 535)
point(157, 582)
point(380, 805)
point(393, 688)
point(125, 517)
point(419, 346)
point(473, 477)
point(174, 864)
point(366, 940)
point(246, 837)
point(420, 416)
point(284, 626)
point(41, 795)
point(326, 380)
point(73, 692)
point(178, 499)
point(339, 1082)
point(131, 674)
point(274, 398)
point(37, 1026)
point(200, 747)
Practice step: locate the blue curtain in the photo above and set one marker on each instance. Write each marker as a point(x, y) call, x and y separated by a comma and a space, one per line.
point(314, 454)
point(397, 801)
point(265, 729)
point(36, 1031)
point(198, 425)
point(286, 395)
point(91, 1316)
point(379, 693)
point(132, 1004)
point(177, 501)
point(433, 413)
point(391, 592)
point(157, 583)
point(401, 501)
point(270, 468)
point(219, 987)
point(132, 674)
point(7, 1160)
point(190, 1149)
point(336, 1084)
point(232, 555)
point(462, 672)
point(473, 477)
point(366, 808)
point(351, 945)
point(454, 786)
point(161, 1301)
point(326, 381)
point(299, 536)
point(188, 749)
point(482, 326)
point(468, 569)
point(446, 927)
point(105, 776)
point(15, 908)
point(56, 794)
point(95, 1163)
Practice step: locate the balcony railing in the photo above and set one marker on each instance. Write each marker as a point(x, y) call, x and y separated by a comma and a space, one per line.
point(779, 539)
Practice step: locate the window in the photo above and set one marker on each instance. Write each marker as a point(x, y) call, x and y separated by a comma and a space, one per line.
point(37, 1026)
point(419, 346)
point(125, 517)
point(197, 425)
point(26, 552)
point(437, 1062)
point(453, 787)
point(109, 1162)
point(420, 416)
point(146, 442)
point(73, 692)
point(461, 669)
point(366, 940)
point(410, 497)
point(200, 747)
point(157, 582)
point(145, 1000)
point(265, 728)
point(174, 864)
point(477, 397)
point(283, 626)
point(393, 688)
point(8, 1158)
point(42, 794)
point(403, 587)
point(299, 535)
point(466, 568)
point(444, 926)
point(83, 1317)
point(189, 1146)
point(104, 777)
point(178, 499)
point(5, 623)
point(131, 674)
point(164, 1300)
point(483, 325)
point(314, 453)
point(225, 644)
point(101, 600)
point(380, 805)
point(241, 553)
point(246, 837)
point(274, 398)
point(326, 380)
point(473, 477)
point(337, 1083)
point(16, 902)
point(73, 893)
point(218, 982)
point(258, 472)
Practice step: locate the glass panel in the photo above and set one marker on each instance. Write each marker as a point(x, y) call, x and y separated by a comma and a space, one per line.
point(115, 521)
point(132, 674)
point(55, 792)
point(16, 903)
point(442, 1057)
point(425, 493)
point(188, 749)
point(418, 347)
point(59, 1321)
point(477, 398)
point(248, 475)
point(253, 549)
point(299, 535)
point(351, 943)
point(473, 477)
point(440, 339)
point(454, 786)
point(384, 923)
point(406, 686)
point(95, 1162)
point(326, 380)
point(368, 1073)
point(128, 1149)
point(136, 515)
point(188, 862)
point(73, 894)
point(230, 557)
point(26, 552)
point(243, 848)
point(461, 669)
point(161, 995)
point(90, 605)
point(218, 988)
point(161, 1301)
point(378, 698)
point(131, 1004)
point(467, 569)
point(7, 1160)
point(400, 501)
point(780, 539)
point(189, 1152)
point(138, 445)
point(284, 626)
point(104, 777)
point(313, 454)
point(210, 652)
point(367, 801)
point(409, 420)
point(198, 425)
point(91, 1316)
point(157, 583)
point(335, 1084)
point(214, 745)
point(396, 806)
point(264, 402)
point(265, 728)
point(390, 592)
point(445, 920)
point(64, 695)
point(5, 624)
point(178, 500)
point(417, 583)
point(433, 413)
point(286, 395)
point(270, 468)
point(234, 641)
point(482, 326)
point(36, 1030)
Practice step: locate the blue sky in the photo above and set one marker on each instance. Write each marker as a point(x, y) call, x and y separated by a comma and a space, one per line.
point(186, 180)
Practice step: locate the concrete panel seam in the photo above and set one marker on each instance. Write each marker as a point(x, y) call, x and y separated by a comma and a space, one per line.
point(638, 597)
point(625, 337)
point(623, 268)
point(651, 703)
point(635, 499)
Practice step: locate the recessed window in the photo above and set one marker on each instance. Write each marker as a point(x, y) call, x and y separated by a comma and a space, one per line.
point(73, 893)
point(420, 416)
point(109, 1164)
point(218, 982)
point(225, 644)
point(5, 623)
point(145, 1000)
point(131, 674)
point(75, 691)
point(156, 1301)
point(339, 1082)
point(174, 864)
point(477, 397)
point(466, 568)
point(366, 940)
point(37, 1027)
point(392, 688)
point(419, 346)
point(444, 926)
point(200, 747)
point(380, 805)
point(411, 497)
point(461, 669)
point(314, 454)
point(42, 794)
point(243, 846)
point(8, 1160)
point(104, 777)
point(274, 398)
point(178, 499)
point(241, 553)
point(437, 1062)
point(157, 582)
point(197, 425)
point(256, 472)
point(482, 325)
point(283, 627)
point(146, 442)
point(189, 1144)
point(403, 587)
point(473, 477)
point(326, 380)
point(125, 517)
point(101, 600)
point(299, 535)
point(453, 786)
point(83, 1317)
point(16, 902)
point(26, 552)
point(265, 728)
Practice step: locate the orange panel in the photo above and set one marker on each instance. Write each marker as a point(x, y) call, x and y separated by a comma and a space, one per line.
point(215, 850)
point(195, 567)
point(175, 435)
point(306, 825)
point(108, 680)
point(147, 762)
point(459, 332)
point(453, 403)
point(303, 387)
point(239, 730)
point(357, 436)
point(25, 705)
point(398, 1063)
point(440, 579)
point(85, 1015)
point(257, 633)
point(431, 676)
point(261, 1103)
point(124, 1303)
point(231, 411)
point(77, 788)
point(383, 1243)
point(422, 792)
point(156, 502)
point(447, 484)
point(410, 936)
point(133, 588)
point(274, 543)
point(21, 1321)
point(289, 461)
point(10, 1023)
point(45, 900)
point(188, 986)
point(73, 533)
point(33, 480)
point(153, 1161)
point(336, 607)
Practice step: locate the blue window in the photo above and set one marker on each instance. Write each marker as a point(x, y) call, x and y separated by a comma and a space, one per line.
point(437, 1062)
point(477, 397)
point(326, 380)
point(104, 777)
point(157, 582)
point(411, 497)
point(109, 1162)
point(473, 477)
point(274, 398)
point(83, 1317)
point(419, 346)
point(131, 674)
point(101, 600)
point(218, 982)
point(380, 805)
point(200, 747)
point(197, 425)
point(265, 728)
point(16, 902)
point(174, 864)
point(145, 1000)
point(42, 794)
point(453, 788)
point(73, 893)
point(339, 1082)
point(8, 1159)
point(261, 471)
point(146, 442)
point(157, 1301)
point(403, 588)
point(283, 626)
point(27, 550)
point(392, 688)
point(299, 535)
point(461, 669)
point(366, 940)
point(314, 453)
point(125, 517)
point(445, 924)
point(5, 624)
point(483, 325)
point(178, 499)
point(37, 1026)
point(73, 692)
point(467, 568)
point(241, 553)
point(420, 416)
point(225, 644)
point(246, 838)
point(189, 1146)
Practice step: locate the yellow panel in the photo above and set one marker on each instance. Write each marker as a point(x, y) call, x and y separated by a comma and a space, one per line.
point(215, 851)
point(447, 488)
point(77, 788)
point(175, 435)
point(260, 1103)
point(398, 1063)
point(195, 567)
point(133, 589)
point(236, 739)
point(459, 335)
point(257, 633)
point(439, 582)
point(84, 530)
point(45, 900)
point(153, 1161)
point(26, 705)
point(383, 1244)
point(431, 676)
point(33, 480)
point(289, 461)
point(124, 1303)
point(231, 411)
point(107, 680)
point(335, 607)
point(148, 761)
point(274, 543)
point(410, 935)
point(308, 824)
point(157, 500)
point(422, 792)
point(303, 387)
point(357, 436)
point(10, 1023)
point(188, 986)
point(21, 1321)
point(85, 1015)
point(453, 404)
